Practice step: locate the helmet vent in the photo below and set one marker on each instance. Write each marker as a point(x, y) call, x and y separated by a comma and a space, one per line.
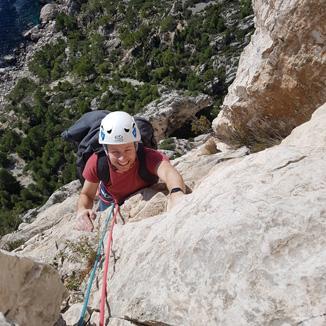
point(109, 131)
point(126, 130)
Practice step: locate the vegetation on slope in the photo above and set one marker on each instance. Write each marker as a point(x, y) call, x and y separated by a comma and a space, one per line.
point(168, 44)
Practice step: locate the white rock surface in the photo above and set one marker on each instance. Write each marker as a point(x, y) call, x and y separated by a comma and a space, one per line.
point(5, 322)
point(71, 317)
point(30, 293)
point(246, 248)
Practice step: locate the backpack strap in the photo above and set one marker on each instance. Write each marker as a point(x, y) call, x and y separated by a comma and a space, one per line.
point(103, 170)
point(143, 171)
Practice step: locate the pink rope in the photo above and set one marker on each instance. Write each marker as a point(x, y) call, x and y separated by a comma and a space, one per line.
point(106, 267)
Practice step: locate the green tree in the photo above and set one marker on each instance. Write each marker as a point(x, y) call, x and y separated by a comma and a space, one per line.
point(8, 182)
point(168, 24)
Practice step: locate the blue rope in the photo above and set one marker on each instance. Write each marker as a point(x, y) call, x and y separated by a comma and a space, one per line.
point(97, 259)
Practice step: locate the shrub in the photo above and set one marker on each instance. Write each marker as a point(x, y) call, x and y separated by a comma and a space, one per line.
point(44, 60)
point(65, 23)
point(245, 8)
point(167, 144)
point(8, 182)
point(201, 125)
point(24, 87)
point(168, 24)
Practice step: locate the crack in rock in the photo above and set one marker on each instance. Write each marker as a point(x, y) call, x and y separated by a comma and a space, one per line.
point(301, 323)
point(115, 259)
point(290, 162)
point(145, 323)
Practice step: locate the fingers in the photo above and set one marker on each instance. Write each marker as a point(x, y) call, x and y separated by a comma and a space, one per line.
point(93, 215)
point(84, 221)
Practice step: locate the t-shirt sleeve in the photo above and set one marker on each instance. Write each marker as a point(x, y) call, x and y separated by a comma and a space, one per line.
point(90, 170)
point(153, 158)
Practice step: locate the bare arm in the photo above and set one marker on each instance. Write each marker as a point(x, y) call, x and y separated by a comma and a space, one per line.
point(172, 178)
point(85, 215)
point(87, 195)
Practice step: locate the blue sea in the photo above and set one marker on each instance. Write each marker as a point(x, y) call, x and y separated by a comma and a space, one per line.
point(16, 16)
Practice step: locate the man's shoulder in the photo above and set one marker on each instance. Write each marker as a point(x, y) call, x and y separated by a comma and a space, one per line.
point(150, 152)
point(92, 161)
point(154, 156)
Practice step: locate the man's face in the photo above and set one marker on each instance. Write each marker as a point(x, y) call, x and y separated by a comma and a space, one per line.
point(123, 156)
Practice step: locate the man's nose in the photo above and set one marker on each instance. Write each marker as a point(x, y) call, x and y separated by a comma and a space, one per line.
point(122, 157)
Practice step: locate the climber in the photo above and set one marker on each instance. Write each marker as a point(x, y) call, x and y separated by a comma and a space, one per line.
point(124, 154)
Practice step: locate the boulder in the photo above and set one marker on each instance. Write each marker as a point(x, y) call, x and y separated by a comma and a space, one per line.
point(30, 293)
point(280, 80)
point(172, 110)
point(48, 12)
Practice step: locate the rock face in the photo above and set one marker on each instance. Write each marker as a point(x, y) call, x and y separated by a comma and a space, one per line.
point(54, 221)
point(172, 111)
point(246, 248)
point(281, 75)
point(48, 12)
point(67, 194)
point(30, 293)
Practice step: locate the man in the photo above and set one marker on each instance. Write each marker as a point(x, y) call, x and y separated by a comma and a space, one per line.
point(120, 136)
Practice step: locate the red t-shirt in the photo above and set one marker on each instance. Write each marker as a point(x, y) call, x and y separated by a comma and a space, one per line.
point(122, 185)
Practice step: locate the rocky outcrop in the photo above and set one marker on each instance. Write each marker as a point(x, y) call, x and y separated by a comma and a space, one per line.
point(44, 215)
point(245, 248)
point(172, 110)
point(281, 75)
point(30, 293)
point(58, 212)
point(48, 12)
point(36, 38)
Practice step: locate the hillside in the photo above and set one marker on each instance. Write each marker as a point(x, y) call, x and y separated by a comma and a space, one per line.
point(88, 55)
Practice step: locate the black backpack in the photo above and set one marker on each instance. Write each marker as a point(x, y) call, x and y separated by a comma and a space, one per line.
point(84, 133)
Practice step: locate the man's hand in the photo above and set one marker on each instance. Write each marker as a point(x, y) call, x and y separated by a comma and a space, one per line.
point(174, 198)
point(84, 220)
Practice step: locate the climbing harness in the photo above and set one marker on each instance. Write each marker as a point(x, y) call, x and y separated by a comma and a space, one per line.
point(95, 266)
point(106, 267)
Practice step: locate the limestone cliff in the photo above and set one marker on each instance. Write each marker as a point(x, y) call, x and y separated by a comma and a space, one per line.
point(281, 77)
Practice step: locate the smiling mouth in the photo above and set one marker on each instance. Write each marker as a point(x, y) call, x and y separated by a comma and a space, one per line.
point(123, 165)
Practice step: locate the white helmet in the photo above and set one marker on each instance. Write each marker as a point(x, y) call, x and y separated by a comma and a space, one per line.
point(118, 128)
